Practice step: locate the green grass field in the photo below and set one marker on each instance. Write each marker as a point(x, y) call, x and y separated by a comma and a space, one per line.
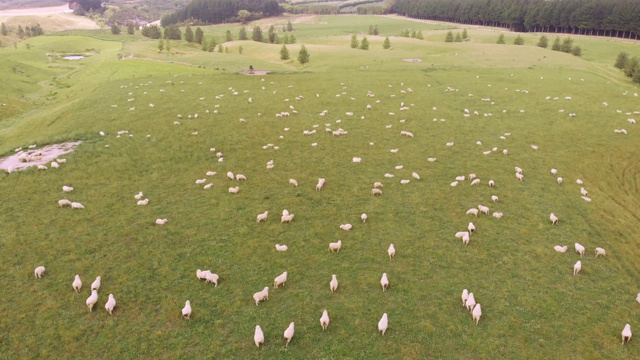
point(533, 307)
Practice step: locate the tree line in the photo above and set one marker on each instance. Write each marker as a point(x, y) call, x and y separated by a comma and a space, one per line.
point(22, 32)
point(219, 11)
point(617, 18)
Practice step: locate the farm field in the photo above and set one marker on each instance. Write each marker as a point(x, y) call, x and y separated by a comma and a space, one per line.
point(516, 96)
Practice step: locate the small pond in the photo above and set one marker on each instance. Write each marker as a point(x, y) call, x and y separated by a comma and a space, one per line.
point(73, 57)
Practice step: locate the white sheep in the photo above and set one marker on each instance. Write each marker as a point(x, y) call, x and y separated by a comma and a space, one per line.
point(587, 199)
point(202, 275)
point(519, 176)
point(626, 334)
point(280, 280)
point(472, 211)
point(335, 246)
point(405, 181)
point(377, 184)
point(186, 310)
point(465, 239)
point(554, 171)
point(559, 180)
point(293, 182)
point(483, 209)
point(560, 249)
point(262, 217)
point(388, 176)
point(477, 313)
point(161, 221)
point(230, 175)
point(138, 196)
point(64, 202)
point(579, 249)
point(363, 217)
point(143, 202)
point(281, 248)
point(208, 186)
point(471, 227)
point(77, 205)
point(201, 181)
point(212, 278)
point(67, 188)
point(415, 175)
point(454, 184)
point(234, 190)
point(346, 227)
point(579, 182)
point(577, 267)
point(42, 167)
point(288, 333)
point(464, 296)
point(553, 218)
point(475, 182)
point(471, 302)
point(261, 295)
point(600, 252)
point(39, 271)
point(320, 184)
point(460, 178)
point(497, 215)
point(492, 183)
point(383, 324)
point(211, 173)
point(461, 234)
point(286, 218)
point(92, 299)
point(384, 282)
point(356, 160)
point(258, 336)
point(376, 192)
point(240, 177)
point(471, 177)
point(494, 198)
point(391, 251)
point(95, 285)
point(505, 151)
point(324, 320)
point(111, 304)
point(77, 283)
point(333, 284)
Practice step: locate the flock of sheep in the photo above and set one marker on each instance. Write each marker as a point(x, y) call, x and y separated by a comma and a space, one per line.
point(468, 298)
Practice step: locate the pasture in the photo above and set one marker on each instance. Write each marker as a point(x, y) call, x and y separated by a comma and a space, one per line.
point(533, 307)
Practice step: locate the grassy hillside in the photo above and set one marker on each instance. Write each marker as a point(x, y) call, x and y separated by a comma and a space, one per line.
point(533, 307)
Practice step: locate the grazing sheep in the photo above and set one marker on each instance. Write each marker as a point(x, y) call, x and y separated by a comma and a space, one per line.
point(335, 246)
point(579, 249)
point(42, 167)
point(67, 188)
point(143, 202)
point(583, 192)
point(560, 249)
point(201, 275)
point(92, 299)
point(415, 175)
point(492, 183)
point(234, 190)
point(471, 227)
point(281, 247)
point(460, 178)
point(505, 151)
point(333, 284)
point(280, 280)
point(346, 227)
point(461, 234)
point(288, 333)
point(553, 218)
point(230, 175)
point(293, 182)
point(494, 198)
point(577, 267)
point(186, 310)
point(383, 324)
point(405, 182)
point(600, 252)
point(258, 336)
point(399, 167)
point(211, 173)
point(357, 160)
point(138, 196)
point(384, 281)
point(471, 302)
point(262, 217)
point(324, 320)
point(286, 218)
point(483, 209)
point(320, 184)
point(77, 205)
point(454, 184)
point(77, 283)
point(559, 180)
point(363, 217)
point(39, 271)
point(95, 285)
point(519, 176)
point(472, 211)
point(64, 202)
point(376, 192)
point(554, 171)
point(477, 313)
point(638, 298)
point(211, 278)
point(587, 199)
point(579, 182)
point(464, 296)
point(201, 181)
point(626, 334)
point(208, 186)
point(466, 238)
point(161, 221)
point(497, 215)
point(111, 304)
point(388, 176)
point(261, 295)
point(377, 184)
point(240, 177)
point(475, 182)
point(391, 251)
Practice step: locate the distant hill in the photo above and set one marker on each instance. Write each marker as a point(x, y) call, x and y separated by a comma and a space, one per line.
point(21, 4)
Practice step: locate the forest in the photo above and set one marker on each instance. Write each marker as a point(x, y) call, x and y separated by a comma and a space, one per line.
point(617, 18)
point(215, 12)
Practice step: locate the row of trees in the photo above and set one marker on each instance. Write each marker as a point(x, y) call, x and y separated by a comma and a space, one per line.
point(619, 18)
point(81, 7)
point(566, 45)
point(630, 66)
point(303, 55)
point(23, 32)
point(412, 34)
point(219, 11)
point(459, 37)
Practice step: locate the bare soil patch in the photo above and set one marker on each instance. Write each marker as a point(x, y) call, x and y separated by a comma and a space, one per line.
point(33, 157)
point(254, 72)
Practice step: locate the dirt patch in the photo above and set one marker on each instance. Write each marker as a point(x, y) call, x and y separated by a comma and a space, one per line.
point(36, 11)
point(254, 72)
point(34, 157)
point(412, 60)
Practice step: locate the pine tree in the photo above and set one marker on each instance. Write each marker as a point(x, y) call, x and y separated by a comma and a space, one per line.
point(519, 40)
point(370, 29)
point(413, 34)
point(303, 55)
point(229, 37)
point(240, 50)
point(284, 52)
point(161, 45)
point(556, 44)
point(622, 60)
point(576, 50)
point(567, 44)
point(449, 37)
point(501, 39)
point(465, 35)
point(220, 48)
point(131, 29)
point(199, 35)
point(257, 34)
point(286, 39)
point(242, 34)
point(292, 39)
point(375, 30)
point(354, 41)
point(188, 34)
point(458, 37)
point(3, 30)
point(20, 31)
point(364, 44)
point(115, 29)
point(543, 42)
point(419, 35)
point(272, 34)
point(289, 26)
point(386, 44)
point(168, 45)
point(205, 44)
